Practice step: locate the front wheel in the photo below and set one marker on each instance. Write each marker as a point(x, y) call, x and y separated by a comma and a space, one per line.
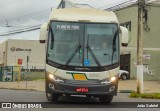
point(52, 97)
point(105, 99)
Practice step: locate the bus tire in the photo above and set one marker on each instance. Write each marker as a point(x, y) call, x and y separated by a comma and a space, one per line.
point(106, 99)
point(124, 77)
point(52, 97)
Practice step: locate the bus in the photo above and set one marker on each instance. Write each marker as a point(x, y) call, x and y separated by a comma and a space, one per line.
point(82, 53)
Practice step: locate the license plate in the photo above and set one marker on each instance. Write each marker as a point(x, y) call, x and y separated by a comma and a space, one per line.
point(79, 77)
point(82, 89)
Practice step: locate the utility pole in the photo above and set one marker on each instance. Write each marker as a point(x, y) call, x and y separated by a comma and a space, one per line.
point(27, 71)
point(141, 6)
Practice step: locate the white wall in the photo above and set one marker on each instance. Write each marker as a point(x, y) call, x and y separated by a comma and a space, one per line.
point(36, 53)
point(3, 53)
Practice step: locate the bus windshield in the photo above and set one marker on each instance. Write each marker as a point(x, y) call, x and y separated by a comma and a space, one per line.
point(83, 44)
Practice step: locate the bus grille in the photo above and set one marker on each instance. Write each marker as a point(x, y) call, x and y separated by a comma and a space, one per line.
point(83, 82)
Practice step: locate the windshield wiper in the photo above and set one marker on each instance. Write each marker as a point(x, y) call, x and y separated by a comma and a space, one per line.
point(74, 53)
point(91, 52)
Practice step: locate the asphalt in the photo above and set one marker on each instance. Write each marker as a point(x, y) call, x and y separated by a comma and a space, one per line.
point(149, 86)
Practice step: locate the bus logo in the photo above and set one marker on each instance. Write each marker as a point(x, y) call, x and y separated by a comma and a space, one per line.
point(13, 48)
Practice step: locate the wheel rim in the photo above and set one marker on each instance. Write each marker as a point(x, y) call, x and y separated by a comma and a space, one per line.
point(124, 77)
point(49, 94)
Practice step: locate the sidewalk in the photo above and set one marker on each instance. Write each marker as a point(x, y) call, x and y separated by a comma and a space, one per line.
point(31, 85)
point(149, 86)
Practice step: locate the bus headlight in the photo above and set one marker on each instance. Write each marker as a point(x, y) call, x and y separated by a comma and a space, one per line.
point(51, 76)
point(55, 78)
point(113, 79)
point(108, 80)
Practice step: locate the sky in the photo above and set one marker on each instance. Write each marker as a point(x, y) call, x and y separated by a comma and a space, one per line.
point(100, 3)
point(10, 9)
point(15, 8)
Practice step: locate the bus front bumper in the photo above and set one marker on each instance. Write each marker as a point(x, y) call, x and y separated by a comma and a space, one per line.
point(89, 89)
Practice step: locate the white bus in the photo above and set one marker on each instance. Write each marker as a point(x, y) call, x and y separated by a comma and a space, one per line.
point(82, 53)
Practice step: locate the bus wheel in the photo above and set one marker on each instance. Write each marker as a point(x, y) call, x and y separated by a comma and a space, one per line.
point(105, 99)
point(52, 97)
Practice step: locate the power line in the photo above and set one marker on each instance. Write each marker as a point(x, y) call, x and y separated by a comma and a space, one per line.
point(35, 15)
point(122, 5)
point(132, 3)
point(42, 16)
point(18, 23)
point(14, 22)
point(28, 15)
point(22, 30)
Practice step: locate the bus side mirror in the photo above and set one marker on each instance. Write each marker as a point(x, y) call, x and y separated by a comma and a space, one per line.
point(43, 33)
point(124, 36)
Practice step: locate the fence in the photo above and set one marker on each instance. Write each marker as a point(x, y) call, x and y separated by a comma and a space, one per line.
point(10, 73)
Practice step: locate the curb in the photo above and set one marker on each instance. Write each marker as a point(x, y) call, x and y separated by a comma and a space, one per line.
point(126, 91)
point(21, 89)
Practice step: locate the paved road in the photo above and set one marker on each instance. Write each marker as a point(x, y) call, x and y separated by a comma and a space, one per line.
point(69, 103)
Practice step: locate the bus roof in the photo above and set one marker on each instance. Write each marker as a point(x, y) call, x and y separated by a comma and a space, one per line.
point(83, 14)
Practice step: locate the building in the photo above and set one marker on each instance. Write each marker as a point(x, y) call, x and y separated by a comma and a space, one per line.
point(13, 50)
point(3, 53)
point(128, 17)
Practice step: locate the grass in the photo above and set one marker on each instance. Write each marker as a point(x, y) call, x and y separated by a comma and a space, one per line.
point(145, 95)
point(126, 91)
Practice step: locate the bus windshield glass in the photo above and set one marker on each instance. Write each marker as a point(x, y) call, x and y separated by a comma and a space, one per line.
point(83, 44)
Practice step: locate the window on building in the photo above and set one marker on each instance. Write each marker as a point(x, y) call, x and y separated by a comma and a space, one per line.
point(127, 25)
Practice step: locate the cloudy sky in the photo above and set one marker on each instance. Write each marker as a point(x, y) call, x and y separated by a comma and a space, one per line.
point(10, 9)
point(100, 3)
point(14, 8)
